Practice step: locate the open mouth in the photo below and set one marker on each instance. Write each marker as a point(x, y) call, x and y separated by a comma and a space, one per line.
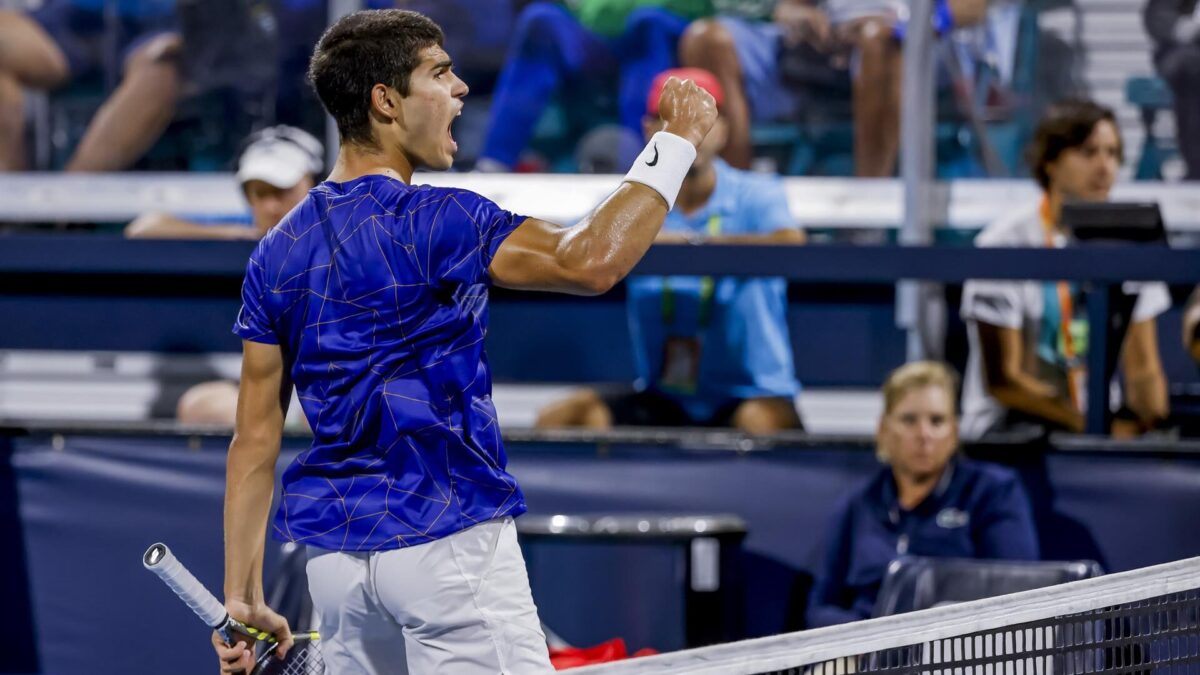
point(450, 132)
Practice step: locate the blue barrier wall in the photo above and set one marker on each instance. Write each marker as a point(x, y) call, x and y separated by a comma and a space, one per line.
point(843, 337)
point(70, 292)
point(89, 506)
point(848, 340)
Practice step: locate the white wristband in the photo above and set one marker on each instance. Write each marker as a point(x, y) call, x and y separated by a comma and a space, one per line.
point(663, 165)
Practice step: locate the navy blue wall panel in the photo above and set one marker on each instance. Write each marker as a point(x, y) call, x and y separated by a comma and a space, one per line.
point(89, 510)
point(841, 337)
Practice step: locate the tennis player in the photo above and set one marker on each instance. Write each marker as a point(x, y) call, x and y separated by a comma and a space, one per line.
point(371, 296)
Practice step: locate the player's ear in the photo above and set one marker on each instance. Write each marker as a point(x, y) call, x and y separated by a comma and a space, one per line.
point(385, 102)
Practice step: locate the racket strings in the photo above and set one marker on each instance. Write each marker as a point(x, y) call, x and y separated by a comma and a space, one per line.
point(303, 659)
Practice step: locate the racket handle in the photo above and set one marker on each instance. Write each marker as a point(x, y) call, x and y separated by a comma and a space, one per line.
point(161, 561)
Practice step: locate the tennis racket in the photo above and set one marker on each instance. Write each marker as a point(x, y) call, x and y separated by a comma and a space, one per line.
point(304, 658)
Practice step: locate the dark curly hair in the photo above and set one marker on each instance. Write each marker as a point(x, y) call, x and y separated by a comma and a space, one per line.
point(1067, 124)
point(361, 50)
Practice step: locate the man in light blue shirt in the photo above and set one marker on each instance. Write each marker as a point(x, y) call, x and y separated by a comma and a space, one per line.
point(708, 351)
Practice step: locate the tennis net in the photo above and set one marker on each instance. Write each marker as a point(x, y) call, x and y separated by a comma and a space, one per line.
point(1144, 621)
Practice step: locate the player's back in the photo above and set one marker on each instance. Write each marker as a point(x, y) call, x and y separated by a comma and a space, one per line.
point(377, 294)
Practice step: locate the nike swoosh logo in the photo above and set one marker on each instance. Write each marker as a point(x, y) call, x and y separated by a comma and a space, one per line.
point(655, 160)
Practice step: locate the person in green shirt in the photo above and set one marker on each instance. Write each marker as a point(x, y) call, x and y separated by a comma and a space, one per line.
point(558, 46)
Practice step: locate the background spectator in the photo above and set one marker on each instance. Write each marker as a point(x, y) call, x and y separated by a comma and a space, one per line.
point(66, 40)
point(1174, 25)
point(767, 53)
point(584, 44)
point(709, 352)
point(928, 501)
point(1028, 340)
point(28, 59)
point(276, 170)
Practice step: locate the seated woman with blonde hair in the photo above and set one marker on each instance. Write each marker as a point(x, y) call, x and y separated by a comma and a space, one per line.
point(927, 500)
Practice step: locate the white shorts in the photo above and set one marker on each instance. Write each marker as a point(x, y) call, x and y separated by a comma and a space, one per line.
point(460, 604)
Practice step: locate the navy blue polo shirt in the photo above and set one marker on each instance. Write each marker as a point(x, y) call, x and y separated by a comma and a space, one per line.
point(977, 510)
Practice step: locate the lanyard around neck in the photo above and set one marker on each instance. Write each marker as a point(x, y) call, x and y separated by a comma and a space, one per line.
point(1066, 310)
point(707, 286)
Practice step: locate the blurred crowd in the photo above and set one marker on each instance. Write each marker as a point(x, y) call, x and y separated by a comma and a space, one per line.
point(812, 86)
point(572, 86)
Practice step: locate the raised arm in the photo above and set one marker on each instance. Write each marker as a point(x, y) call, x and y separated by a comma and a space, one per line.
point(594, 255)
point(249, 485)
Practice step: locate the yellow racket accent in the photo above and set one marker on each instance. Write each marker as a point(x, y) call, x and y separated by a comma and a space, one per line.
point(264, 636)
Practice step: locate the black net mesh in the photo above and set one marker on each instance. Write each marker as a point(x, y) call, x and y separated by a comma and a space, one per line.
point(1158, 636)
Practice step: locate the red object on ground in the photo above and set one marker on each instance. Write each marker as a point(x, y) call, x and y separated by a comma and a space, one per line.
point(605, 652)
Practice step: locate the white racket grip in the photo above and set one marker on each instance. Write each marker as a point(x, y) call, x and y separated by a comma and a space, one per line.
point(161, 561)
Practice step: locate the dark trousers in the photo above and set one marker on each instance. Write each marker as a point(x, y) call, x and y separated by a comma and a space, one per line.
point(1180, 67)
point(551, 49)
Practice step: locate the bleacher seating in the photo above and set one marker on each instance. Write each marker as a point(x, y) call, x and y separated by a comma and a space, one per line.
point(1152, 96)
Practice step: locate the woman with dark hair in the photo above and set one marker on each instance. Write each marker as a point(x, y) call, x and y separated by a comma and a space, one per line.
point(1028, 339)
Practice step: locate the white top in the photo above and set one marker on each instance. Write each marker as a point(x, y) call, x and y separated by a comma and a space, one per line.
point(840, 11)
point(1024, 305)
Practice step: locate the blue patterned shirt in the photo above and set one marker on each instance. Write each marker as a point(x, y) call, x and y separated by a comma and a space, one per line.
point(376, 293)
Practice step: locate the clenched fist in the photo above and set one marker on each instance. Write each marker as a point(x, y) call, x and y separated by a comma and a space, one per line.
point(688, 110)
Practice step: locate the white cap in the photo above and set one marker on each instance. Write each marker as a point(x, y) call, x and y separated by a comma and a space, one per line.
point(280, 156)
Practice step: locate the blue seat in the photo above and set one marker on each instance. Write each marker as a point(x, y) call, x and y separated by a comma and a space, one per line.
point(1151, 95)
point(913, 582)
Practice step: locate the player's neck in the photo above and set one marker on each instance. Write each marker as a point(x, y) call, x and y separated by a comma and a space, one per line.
point(697, 188)
point(355, 161)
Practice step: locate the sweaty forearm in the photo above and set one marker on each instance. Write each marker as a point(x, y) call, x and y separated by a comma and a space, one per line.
point(592, 256)
point(612, 238)
point(249, 485)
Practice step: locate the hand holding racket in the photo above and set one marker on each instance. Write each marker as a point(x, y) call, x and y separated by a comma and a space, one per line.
point(282, 653)
point(236, 644)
